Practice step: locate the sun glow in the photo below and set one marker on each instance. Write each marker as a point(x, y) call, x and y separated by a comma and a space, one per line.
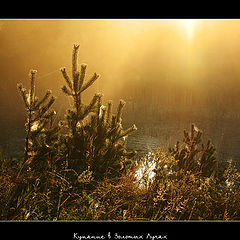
point(188, 28)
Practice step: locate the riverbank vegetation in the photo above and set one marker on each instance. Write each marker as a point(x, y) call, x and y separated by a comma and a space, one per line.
point(80, 169)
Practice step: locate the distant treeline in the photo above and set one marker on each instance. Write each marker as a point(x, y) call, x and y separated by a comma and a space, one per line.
point(172, 100)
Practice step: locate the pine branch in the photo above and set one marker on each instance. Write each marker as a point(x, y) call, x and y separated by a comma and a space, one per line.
point(23, 93)
point(32, 89)
point(74, 60)
point(66, 77)
point(92, 104)
point(128, 131)
point(89, 83)
point(76, 81)
point(82, 75)
point(109, 112)
point(119, 110)
point(66, 91)
point(46, 96)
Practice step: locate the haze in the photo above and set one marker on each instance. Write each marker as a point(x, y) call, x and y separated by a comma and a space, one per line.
point(186, 66)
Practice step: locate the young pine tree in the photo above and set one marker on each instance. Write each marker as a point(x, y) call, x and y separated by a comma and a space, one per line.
point(96, 138)
point(194, 155)
point(41, 134)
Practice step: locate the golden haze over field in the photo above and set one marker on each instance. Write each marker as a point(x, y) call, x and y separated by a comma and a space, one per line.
point(153, 61)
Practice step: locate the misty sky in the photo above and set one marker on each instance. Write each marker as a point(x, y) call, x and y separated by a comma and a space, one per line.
point(130, 55)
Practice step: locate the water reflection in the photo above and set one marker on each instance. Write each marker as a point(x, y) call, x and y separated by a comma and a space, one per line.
point(144, 174)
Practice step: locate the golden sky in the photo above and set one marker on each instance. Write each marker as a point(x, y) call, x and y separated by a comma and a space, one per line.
point(200, 54)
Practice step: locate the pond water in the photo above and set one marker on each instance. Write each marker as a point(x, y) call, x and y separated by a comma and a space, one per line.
point(225, 136)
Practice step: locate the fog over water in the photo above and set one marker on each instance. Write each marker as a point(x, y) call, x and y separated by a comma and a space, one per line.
point(170, 73)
